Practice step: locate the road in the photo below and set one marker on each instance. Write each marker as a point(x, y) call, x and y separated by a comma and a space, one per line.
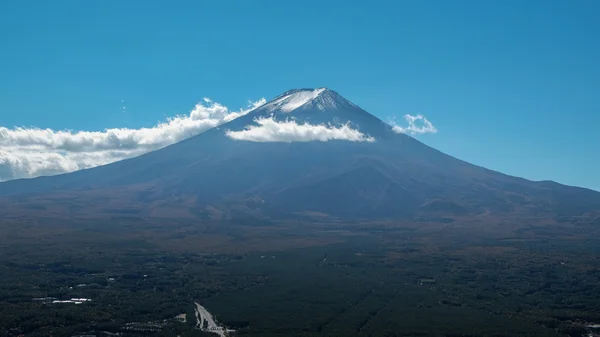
point(203, 316)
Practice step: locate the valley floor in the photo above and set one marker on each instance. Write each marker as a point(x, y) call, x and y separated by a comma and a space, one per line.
point(291, 279)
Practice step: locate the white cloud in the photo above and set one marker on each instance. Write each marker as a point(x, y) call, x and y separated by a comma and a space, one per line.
point(270, 130)
point(416, 125)
point(31, 152)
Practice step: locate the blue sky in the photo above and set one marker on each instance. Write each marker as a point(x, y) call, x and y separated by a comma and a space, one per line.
point(510, 85)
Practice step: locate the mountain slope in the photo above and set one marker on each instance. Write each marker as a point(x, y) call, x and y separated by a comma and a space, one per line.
point(395, 176)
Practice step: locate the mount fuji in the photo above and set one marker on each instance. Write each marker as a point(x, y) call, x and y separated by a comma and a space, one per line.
point(353, 167)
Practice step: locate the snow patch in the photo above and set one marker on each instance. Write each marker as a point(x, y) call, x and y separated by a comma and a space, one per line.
point(295, 100)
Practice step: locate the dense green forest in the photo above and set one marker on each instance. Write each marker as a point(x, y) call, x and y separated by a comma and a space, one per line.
point(364, 280)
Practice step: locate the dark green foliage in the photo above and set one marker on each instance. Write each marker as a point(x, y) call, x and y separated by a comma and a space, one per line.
point(380, 282)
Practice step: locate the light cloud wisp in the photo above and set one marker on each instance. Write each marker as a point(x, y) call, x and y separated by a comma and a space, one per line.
point(417, 124)
point(31, 152)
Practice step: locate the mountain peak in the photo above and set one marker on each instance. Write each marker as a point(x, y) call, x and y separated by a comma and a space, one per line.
point(319, 98)
point(393, 178)
point(320, 106)
point(303, 90)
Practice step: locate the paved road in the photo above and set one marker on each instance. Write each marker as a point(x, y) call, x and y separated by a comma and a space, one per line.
point(202, 315)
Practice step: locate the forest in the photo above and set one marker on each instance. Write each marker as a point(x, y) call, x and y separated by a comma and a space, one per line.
point(291, 279)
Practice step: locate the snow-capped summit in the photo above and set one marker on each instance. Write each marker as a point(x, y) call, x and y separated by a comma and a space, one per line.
point(294, 99)
point(320, 98)
point(315, 106)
